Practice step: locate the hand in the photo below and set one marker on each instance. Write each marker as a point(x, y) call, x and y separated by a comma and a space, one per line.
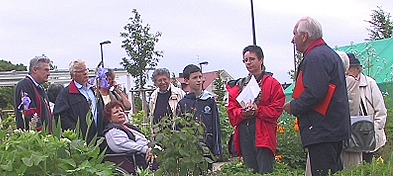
point(249, 109)
point(149, 155)
point(287, 107)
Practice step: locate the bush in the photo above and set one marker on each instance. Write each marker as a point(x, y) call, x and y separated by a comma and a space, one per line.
point(289, 145)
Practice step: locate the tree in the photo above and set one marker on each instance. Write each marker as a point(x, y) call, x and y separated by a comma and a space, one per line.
point(174, 80)
point(7, 93)
point(381, 25)
point(219, 88)
point(139, 45)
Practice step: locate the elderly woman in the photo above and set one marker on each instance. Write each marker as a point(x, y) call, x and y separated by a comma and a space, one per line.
point(122, 137)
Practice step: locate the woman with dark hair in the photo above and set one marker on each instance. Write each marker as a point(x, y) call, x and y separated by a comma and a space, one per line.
point(110, 90)
point(122, 137)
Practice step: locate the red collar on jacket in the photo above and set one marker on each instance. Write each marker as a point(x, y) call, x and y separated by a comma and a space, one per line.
point(72, 87)
point(316, 43)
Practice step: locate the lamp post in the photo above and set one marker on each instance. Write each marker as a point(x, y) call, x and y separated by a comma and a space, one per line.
point(102, 53)
point(200, 65)
point(253, 24)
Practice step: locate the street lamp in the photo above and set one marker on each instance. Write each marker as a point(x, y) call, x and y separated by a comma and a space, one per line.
point(200, 65)
point(102, 54)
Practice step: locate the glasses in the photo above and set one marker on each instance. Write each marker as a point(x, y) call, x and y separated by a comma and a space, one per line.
point(82, 71)
point(251, 59)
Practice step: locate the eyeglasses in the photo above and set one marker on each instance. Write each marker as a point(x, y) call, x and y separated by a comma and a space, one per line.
point(251, 59)
point(82, 71)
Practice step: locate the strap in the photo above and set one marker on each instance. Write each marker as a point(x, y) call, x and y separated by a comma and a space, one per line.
point(363, 107)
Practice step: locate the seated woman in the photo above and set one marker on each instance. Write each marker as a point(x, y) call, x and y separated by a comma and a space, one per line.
point(122, 137)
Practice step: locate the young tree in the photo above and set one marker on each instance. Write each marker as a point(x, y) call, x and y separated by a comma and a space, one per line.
point(381, 25)
point(139, 45)
point(219, 88)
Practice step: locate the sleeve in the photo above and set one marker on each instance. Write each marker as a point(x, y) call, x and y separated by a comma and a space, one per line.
point(62, 111)
point(216, 130)
point(119, 142)
point(315, 81)
point(234, 109)
point(273, 94)
point(353, 95)
point(380, 112)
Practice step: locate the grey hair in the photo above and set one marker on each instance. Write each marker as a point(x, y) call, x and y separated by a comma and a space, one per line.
point(75, 63)
point(37, 62)
point(160, 71)
point(345, 59)
point(310, 26)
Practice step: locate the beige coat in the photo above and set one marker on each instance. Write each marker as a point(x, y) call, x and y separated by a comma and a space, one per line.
point(176, 95)
point(375, 106)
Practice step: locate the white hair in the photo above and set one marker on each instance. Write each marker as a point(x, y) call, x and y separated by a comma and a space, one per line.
point(310, 26)
point(75, 63)
point(344, 58)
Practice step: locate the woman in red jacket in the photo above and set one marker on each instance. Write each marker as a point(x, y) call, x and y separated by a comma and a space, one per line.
point(256, 122)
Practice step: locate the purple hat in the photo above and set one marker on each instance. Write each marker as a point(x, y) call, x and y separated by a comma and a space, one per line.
point(353, 61)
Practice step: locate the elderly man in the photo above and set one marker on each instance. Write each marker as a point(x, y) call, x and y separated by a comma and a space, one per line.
point(164, 99)
point(77, 99)
point(30, 97)
point(320, 98)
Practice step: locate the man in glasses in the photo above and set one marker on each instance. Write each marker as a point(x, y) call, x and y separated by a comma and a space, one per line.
point(77, 99)
point(256, 120)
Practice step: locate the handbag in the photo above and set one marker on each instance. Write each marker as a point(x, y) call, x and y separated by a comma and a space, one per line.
point(362, 133)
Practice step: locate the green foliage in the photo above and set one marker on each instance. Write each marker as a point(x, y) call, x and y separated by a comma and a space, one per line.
point(174, 80)
point(41, 153)
point(182, 150)
point(6, 97)
point(377, 167)
point(236, 169)
point(8, 66)
point(137, 120)
point(381, 25)
point(289, 145)
point(139, 45)
point(226, 130)
point(219, 87)
point(8, 123)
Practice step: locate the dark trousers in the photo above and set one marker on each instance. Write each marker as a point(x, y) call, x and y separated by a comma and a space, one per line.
point(325, 158)
point(368, 157)
point(258, 158)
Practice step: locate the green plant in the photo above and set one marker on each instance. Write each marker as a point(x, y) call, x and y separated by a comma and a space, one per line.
point(41, 153)
point(226, 130)
point(376, 167)
point(183, 152)
point(237, 168)
point(137, 120)
point(289, 146)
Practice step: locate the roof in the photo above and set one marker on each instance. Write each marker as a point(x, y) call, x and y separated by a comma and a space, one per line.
point(209, 77)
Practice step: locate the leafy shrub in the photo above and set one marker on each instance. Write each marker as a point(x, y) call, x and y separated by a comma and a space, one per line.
point(182, 152)
point(289, 145)
point(226, 131)
point(40, 153)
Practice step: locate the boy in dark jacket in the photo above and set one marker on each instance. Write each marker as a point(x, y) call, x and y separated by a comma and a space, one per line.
point(202, 104)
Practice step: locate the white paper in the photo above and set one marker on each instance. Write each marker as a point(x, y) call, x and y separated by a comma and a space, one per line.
point(249, 93)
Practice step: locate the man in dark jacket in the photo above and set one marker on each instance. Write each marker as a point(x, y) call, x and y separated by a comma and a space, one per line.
point(203, 106)
point(77, 99)
point(324, 119)
point(30, 88)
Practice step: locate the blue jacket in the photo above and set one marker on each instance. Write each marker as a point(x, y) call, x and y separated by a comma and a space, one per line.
point(321, 66)
point(204, 107)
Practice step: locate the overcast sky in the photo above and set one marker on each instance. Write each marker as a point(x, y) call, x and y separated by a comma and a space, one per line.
point(192, 30)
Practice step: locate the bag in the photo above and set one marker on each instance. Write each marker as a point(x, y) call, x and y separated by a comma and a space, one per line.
point(231, 145)
point(362, 135)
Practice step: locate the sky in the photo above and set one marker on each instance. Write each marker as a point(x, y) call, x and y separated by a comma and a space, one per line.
point(192, 30)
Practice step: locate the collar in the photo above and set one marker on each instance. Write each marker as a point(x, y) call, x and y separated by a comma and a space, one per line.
point(316, 43)
point(166, 91)
point(32, 79)
point(75, 86)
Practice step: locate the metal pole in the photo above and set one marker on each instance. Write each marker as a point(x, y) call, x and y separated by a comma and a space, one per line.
point(253, 23)
point(102, 57)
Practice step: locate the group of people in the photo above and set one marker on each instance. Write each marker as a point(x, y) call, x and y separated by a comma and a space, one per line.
point(322, 130)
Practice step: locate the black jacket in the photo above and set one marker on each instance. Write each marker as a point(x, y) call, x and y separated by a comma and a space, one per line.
point(71, 105)
point(204, 107)
point(321, 66)
point(38, 97)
